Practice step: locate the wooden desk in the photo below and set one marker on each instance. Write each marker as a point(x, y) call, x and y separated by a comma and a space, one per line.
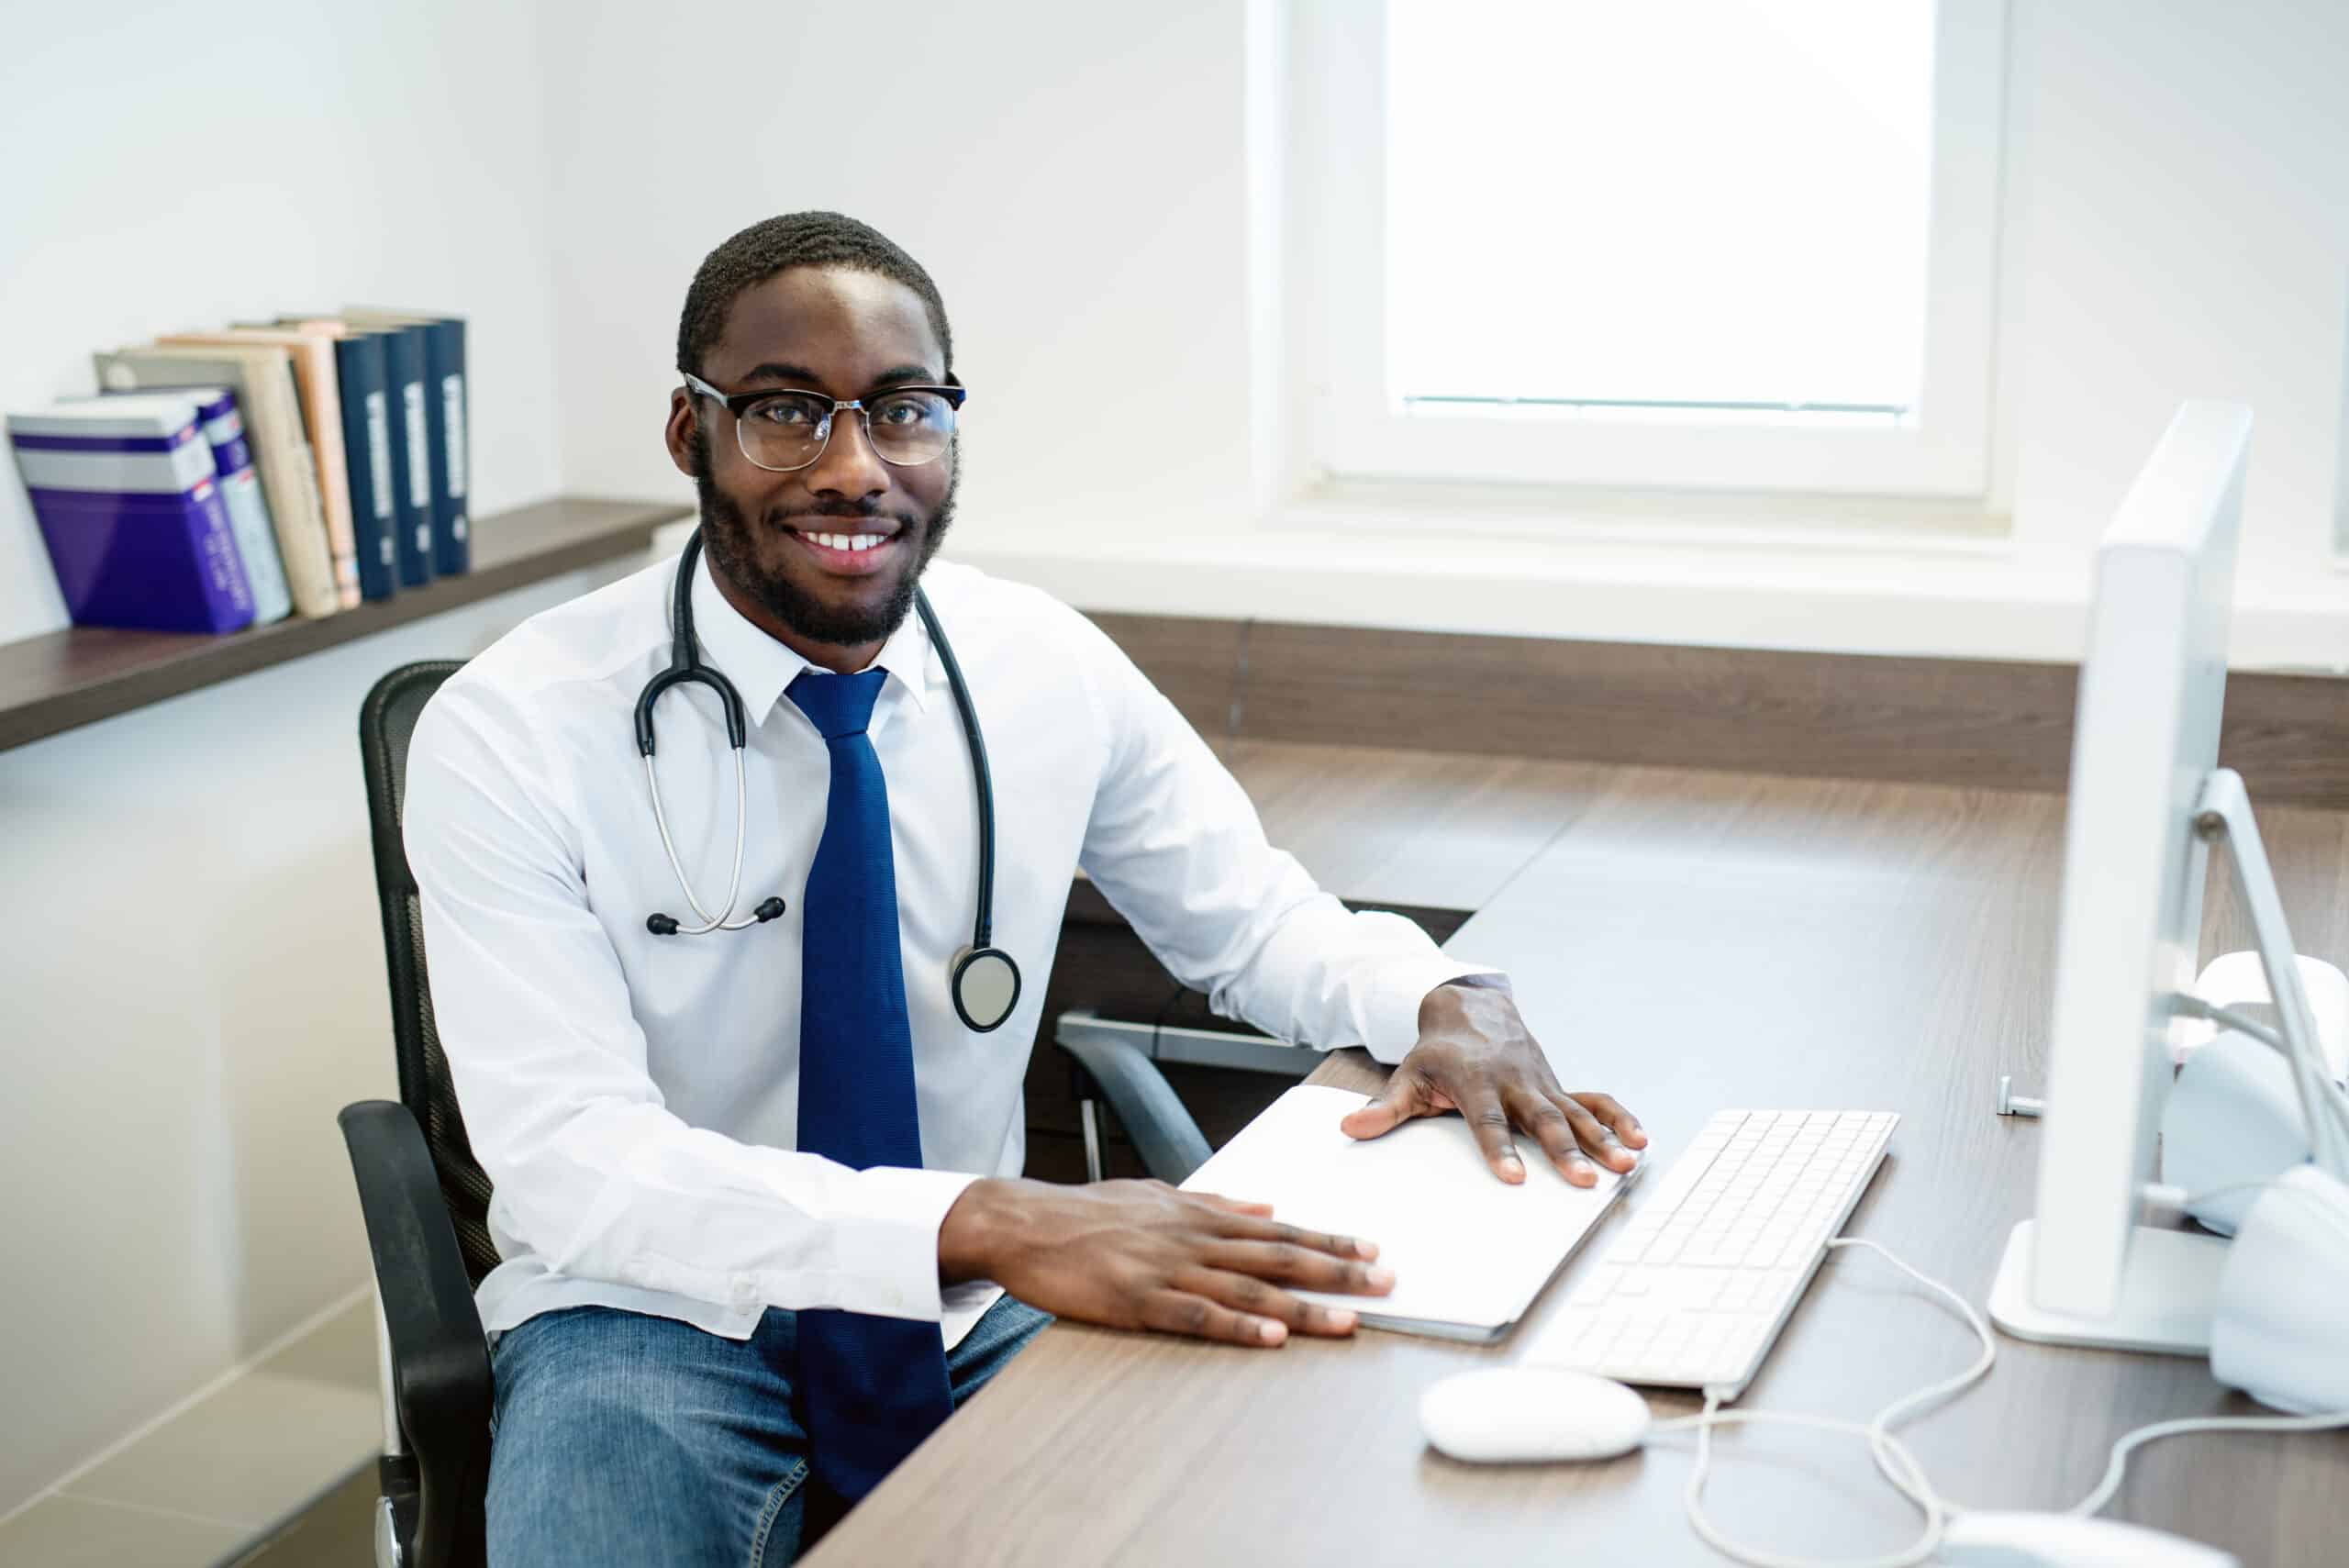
point(1688, 941)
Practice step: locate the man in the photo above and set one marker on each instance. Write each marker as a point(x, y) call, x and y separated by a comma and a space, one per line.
point(757, 1188)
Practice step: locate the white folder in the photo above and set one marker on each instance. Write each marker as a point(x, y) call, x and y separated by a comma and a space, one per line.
point(1470, 1251)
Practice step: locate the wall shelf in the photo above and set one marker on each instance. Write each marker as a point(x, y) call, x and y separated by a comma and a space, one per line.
point(63, 680)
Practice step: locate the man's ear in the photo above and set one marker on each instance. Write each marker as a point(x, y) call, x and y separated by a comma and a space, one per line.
point(679, 431)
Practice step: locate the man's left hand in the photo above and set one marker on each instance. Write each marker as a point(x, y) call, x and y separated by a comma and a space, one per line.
point(1475, 1056)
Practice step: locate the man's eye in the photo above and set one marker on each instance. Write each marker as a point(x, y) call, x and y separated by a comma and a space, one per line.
point(900, 411)
point(782, 412)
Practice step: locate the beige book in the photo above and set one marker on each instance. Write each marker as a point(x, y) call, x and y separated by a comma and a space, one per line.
point(262, 378)
point(314, 374)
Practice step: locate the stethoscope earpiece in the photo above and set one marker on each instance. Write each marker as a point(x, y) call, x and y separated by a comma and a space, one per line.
point(666, 925)
point(984, 980)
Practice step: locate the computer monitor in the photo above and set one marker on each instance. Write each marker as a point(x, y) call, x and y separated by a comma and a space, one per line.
point(2144, 755)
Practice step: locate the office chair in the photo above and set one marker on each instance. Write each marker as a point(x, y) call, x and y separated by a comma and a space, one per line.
point(426, 1201)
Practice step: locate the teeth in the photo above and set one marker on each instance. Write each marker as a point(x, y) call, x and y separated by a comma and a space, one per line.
point(847, 541)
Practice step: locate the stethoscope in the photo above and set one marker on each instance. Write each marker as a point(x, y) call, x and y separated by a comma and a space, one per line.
point(982, 981)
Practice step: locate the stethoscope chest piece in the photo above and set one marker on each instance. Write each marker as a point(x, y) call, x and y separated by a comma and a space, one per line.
point(985, 985)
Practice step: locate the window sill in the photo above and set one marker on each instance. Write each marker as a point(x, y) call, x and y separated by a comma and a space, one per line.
point(1646, 518)
point(1939, 593)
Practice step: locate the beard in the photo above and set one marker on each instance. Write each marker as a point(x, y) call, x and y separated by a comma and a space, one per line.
point(727, 533)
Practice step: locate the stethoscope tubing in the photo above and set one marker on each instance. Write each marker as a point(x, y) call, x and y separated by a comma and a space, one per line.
point(723, 919)
point(982, 927)
point(967, 980)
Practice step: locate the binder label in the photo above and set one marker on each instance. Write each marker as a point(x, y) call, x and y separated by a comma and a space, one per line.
point(420, 462)
point(452, 418)
point(379, 452)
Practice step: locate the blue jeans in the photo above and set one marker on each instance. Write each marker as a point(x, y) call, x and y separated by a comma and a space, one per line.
point(623, 1439)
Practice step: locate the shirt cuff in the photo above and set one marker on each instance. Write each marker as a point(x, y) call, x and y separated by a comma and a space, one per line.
point(1393, 1012)
point(883, 1257)
point(891, 1246)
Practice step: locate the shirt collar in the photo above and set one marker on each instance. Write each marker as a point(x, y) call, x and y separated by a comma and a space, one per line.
point(763, 668)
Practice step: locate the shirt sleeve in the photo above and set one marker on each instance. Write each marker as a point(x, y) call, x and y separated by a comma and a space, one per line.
point(589, 1166)
point(1175, 845)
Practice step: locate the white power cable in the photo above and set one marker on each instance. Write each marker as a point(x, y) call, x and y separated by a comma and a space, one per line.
point(1899, 1464)
point(2094, 1502)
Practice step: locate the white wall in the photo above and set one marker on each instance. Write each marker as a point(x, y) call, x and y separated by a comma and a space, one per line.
point(2177, 226)
point(174, 167)
point(194, 979)
point(194, 983)
point(1071, 173)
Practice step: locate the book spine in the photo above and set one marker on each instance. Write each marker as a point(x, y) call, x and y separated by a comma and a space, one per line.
point(451, 533)
point(227, 585)
point(325, 422)
point(367, 438)
point(248, 518)
point(412, 464)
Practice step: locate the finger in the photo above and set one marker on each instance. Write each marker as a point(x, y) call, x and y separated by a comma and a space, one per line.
point(1299, 1268)
point(1611, 1111)
point(1598, 1140)
point(1546, 1120)
point(1482, 1106)
point(1182, 1312)
point(1252, 1297)
point(1232, 1205)
point(1252, 1229)
point(1404, 1098)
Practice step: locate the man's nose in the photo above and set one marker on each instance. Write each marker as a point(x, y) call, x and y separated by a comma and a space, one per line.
point(848, 466)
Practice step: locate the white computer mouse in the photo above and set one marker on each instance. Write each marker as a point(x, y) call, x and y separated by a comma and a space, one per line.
point(2067, 1540)
point(1508, 1413)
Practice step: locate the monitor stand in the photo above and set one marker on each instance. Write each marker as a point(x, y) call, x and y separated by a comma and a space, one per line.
point(2169, 1279)
point(2169, 1287)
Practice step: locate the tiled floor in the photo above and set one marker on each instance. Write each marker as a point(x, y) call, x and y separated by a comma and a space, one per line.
point(338, 1531)
point(269, 1458)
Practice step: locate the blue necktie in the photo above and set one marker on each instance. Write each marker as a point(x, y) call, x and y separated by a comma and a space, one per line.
point(874, 1386)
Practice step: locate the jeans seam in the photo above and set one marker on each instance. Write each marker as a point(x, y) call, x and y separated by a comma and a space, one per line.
point(777, 1498)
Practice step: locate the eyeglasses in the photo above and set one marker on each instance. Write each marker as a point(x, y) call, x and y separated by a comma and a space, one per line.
point(779, 431)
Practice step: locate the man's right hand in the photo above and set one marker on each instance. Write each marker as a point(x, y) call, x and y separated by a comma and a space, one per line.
point(1142, 1255)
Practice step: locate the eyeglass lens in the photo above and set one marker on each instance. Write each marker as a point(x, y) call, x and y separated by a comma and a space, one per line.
point(789, 429)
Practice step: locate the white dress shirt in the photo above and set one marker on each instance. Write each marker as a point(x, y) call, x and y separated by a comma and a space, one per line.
point(634, 1098)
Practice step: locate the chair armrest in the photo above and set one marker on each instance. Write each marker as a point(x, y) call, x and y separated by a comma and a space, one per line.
point(440, 1360)
point(1169, 1141)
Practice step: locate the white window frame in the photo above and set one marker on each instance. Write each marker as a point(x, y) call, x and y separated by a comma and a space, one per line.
point(1352, 429)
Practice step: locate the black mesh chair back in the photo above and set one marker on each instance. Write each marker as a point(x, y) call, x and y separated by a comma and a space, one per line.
point(385, 722)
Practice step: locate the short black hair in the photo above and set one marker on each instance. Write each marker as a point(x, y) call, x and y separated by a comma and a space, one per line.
point(796, 239)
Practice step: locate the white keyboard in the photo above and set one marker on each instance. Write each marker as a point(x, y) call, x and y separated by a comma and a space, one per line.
point(1692, 1292)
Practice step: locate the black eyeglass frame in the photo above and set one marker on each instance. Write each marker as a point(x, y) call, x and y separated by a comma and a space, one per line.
point(739, 402)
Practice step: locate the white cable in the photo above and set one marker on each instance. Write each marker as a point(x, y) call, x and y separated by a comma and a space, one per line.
point(1899, 1464)
point(1919, 1551)
point(2094, 1502)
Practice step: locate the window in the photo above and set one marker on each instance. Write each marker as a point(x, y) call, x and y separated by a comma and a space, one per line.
point(1744, 244)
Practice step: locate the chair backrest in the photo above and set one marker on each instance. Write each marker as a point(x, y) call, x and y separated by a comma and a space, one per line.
point(386, 720)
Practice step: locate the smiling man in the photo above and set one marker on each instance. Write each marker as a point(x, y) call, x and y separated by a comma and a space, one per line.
point(757, 1173)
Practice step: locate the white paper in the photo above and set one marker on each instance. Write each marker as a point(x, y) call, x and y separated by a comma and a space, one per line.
point(1467, 1249)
